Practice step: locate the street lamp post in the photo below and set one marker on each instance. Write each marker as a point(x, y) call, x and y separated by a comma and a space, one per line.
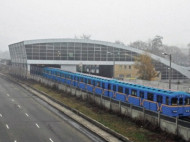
point(170, 57)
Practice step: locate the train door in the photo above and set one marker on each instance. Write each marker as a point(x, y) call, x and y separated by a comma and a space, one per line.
point(141, 96)
point(149, 103)
point(109, 89)
point(159, 99)
point(181, 104)
point(126, 93)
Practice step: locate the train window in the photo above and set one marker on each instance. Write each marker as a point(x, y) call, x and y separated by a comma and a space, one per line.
point(150, 96)
point(126, 91)
point(81, 80)
point(134, 92)
point(159, 99)
point(174, 101)
point(181, 101)
point(141, 94)
point(98, 84)
point(187, 101)
point(92, 82)
point(89, 81)
point(167, 100)
point(109, 87)
point(103, 85)
point(84, 80)
point(120, 89)
point(114, 88)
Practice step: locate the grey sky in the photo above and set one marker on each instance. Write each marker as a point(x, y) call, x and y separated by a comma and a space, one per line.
point(107, 20)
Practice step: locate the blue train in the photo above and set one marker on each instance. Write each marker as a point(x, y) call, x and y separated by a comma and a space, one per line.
point(169, 103)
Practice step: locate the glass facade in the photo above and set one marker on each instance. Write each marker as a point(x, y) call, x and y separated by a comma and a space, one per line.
point(17, 53)
point(77, 51)
point(165, 71)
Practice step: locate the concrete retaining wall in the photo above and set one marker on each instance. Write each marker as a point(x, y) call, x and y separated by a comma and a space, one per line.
point(167, 124)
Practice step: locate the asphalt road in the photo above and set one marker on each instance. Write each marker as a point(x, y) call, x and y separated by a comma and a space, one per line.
point(25, 118)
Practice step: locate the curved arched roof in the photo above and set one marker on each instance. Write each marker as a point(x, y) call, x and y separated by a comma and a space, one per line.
point(179, 68)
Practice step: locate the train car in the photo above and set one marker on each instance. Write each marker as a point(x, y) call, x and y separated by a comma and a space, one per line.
point(169, 103)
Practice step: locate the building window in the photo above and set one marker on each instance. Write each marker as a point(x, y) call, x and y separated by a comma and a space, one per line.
point(128, 75)
point(129, 67)
point(121, 76)
point(125, 67)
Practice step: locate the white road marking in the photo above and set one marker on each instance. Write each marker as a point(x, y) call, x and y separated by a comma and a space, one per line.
point(7, 126)
point(19, 106)
point(12, 100)
point(15, 141)
point(26, 114)
point(37, 125)
point(8, 95)
point(1, 115)
point(50, 139)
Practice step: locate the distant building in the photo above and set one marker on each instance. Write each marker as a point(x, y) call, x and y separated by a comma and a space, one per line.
point(94, 57)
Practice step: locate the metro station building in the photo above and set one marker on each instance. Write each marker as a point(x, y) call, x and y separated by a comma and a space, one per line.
point(89, 56)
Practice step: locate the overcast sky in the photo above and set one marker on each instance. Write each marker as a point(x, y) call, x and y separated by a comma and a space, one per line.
point(107, 20)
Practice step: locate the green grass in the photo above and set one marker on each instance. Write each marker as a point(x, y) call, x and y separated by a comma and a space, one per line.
point(119, 124)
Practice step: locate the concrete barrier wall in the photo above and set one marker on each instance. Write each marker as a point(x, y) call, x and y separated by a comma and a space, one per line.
point(122, 108)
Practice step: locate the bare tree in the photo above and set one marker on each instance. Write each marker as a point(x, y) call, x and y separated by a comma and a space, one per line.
point(157, 42)
point(119, 42)
point(84, 36)
point(155, 46)
point(139, 45)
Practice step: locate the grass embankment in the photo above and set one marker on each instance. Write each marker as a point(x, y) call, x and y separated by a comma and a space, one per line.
point(119, 124)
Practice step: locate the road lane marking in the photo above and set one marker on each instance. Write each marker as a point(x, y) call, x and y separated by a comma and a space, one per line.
point(8, 95)
point(26, 114)
point(15, 141)
point(12, 100)
point(7, 126)
point(50, 139)
point(37, 125)
point(19, 106)
point(1, 115)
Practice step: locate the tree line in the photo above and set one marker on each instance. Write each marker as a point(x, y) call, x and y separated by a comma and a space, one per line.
point(156, 46)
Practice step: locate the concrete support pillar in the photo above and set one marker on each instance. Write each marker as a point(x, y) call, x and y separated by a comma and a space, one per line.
point(101, 104)
point(131, 106)
point(143, 114)
point(28, 71)
point(177, 125)
point(110, 104)
point(120, 107)
point(158, 118)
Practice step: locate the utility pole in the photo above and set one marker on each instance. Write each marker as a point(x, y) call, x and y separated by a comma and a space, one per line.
point(170, 71)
